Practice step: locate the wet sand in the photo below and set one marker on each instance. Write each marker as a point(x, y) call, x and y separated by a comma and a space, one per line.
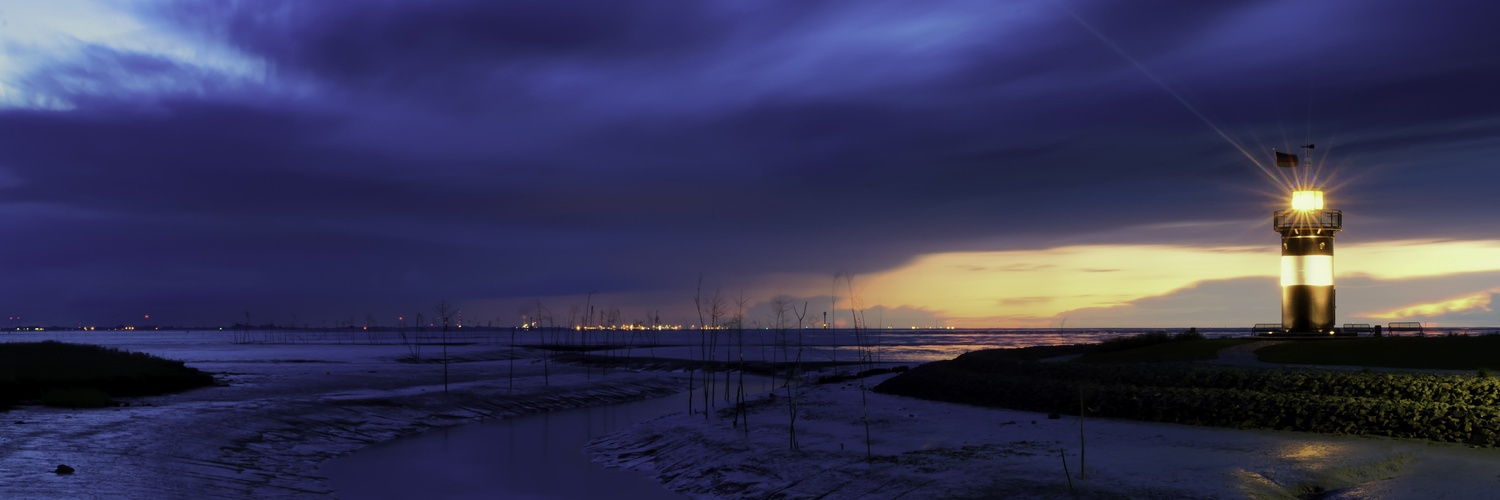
point(284, 409)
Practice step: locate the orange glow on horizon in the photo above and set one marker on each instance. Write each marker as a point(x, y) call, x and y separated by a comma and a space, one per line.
point(1031, 288)
point(1477, 300)
point(1401, 259)
point(1043, 287)
point(1028, 287)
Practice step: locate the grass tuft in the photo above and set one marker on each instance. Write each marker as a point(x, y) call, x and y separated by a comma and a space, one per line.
point(1170, 351)
point(1040, 352)
point(76, 374)
point(1145, 340)
point(76, 397)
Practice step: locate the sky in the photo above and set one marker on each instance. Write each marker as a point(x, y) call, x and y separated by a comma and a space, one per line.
point(940, 163)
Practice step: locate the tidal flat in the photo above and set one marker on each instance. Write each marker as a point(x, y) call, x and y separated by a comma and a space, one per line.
point(280, 411)
point(277, 413)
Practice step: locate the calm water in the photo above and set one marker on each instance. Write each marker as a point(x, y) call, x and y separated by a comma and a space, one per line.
point(890, 345)
point(894, 346)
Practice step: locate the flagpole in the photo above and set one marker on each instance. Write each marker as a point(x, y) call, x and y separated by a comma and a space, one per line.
point(1308, 151)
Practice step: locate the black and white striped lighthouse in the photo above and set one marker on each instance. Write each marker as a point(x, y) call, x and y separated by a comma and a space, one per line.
point(1307, 293)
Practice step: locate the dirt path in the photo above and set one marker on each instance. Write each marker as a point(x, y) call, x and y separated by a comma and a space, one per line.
point(1244, 355)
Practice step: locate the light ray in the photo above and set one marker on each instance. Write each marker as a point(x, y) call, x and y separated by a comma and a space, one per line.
point(1175, 95)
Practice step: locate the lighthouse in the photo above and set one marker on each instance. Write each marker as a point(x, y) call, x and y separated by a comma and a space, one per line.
point(1307, 293)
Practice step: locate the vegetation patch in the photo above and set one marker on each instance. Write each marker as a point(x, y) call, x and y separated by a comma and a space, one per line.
point(1449, 408)
point(1145, 340)
point(1195, 350)
point(1040, 352)
point(1144, 348)
point(834, 379)
point(84, 376)
point(1433, 353)
point(76, 397)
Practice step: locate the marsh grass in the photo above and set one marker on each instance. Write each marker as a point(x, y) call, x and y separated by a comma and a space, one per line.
point(1195, 350)
point(1041, 352)
point(1146, 339)
point(76, 397)
point(79, 373)
point(1445, 407)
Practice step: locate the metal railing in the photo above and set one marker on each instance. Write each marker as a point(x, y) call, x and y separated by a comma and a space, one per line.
point(1308, 219)
point(1405, 326)
point(1267, 328)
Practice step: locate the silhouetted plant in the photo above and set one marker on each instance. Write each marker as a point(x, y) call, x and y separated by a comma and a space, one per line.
point(1067, 474)
point(741, 412)
point(76, 397)
point(413, 343)
point(444, 310)
point(30, 370)
point(512, 379)
point(863, 359)
point(542, 337)
point(1146, 339)
point(793, 378)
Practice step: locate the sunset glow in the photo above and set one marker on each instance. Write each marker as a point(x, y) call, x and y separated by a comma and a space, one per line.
point(1030, 287)
point(1402, 259)
point(1044, 283)
point(1477, 300)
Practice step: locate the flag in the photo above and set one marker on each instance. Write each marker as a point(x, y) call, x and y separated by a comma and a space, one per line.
point(1285, 160)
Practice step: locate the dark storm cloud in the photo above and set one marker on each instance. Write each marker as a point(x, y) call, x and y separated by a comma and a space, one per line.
point(455, 55)
point(403, 151)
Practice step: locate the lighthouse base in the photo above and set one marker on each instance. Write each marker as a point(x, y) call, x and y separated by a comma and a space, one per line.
point(1307, 309)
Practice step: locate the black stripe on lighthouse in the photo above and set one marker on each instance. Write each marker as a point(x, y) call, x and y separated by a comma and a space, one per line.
point(1307, 293)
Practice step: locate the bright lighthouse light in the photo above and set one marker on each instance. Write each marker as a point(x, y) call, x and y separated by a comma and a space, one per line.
point(1307, 200)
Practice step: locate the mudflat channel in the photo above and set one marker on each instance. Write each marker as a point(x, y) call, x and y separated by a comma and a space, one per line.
point(528, 456)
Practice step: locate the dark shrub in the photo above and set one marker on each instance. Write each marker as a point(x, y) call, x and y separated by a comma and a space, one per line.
point(36, 370)
point(76, 397)
point(1439, 407)
point(1146, 339)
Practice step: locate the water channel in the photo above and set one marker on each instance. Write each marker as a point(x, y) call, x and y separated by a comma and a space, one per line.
point(537, 456)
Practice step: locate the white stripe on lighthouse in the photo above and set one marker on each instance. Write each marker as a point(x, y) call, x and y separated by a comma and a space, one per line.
point(1314, 270)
